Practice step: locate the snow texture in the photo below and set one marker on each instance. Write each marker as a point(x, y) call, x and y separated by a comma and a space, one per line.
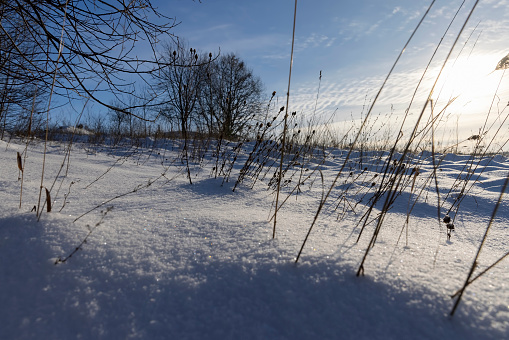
point(178, 261)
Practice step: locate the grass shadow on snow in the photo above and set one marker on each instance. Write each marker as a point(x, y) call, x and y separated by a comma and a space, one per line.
point(212, 187)
point(253, 297)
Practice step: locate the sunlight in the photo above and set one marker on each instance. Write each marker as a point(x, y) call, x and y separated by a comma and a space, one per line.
point(472, 81)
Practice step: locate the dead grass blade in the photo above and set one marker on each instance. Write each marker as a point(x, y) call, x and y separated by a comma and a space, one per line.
point(20, 163)
point(48, 200)
point(285, 126)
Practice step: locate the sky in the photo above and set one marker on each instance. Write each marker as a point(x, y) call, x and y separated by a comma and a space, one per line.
point(353, 44)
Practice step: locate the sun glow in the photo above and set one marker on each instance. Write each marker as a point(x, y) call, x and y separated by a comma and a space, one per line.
point(472, 83)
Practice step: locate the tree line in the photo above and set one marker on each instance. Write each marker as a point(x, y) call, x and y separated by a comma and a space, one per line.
point(79, 49)
point(218, 96)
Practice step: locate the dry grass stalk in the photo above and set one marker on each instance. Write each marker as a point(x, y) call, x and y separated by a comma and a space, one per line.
point(48, 200)
point(20, 167)
point(468, 280)
point(285, 124)
point(20, 163)
point(358, 134)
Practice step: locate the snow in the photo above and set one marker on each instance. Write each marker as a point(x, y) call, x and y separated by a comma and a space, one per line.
point(76, 130)
point(178, 261)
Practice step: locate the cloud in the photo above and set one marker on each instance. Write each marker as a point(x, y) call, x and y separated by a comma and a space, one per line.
point(349, 95)
point(330, 42)
point(222, 27)
point(349, 98)
point(312, 41)
point(225, 37)
point(491, 32)
point(497, 3)
point(439, 13)
point(356, 29)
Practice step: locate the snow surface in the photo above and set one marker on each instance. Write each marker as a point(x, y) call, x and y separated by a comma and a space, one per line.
point(179, 261)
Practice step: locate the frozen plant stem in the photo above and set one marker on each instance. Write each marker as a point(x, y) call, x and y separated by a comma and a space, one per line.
point(136, 189)
point(433, 158)
point(90, 230)
point(474, 264)
point(393, 149)
point(285, 124)
point(366, 119)
point(393, 186)
point(23, 162)
point(60, 49)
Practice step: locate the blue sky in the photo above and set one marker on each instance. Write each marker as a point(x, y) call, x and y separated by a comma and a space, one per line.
point(353, 42)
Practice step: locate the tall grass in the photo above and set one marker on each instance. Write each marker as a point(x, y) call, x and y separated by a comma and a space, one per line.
point(285, 125)
point(287, 152)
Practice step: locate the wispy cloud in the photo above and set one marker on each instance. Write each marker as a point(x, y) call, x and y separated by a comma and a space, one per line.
point(356, 29)
point(349, 98)
point(496, 3)
point(223, 27)
point(313, 40)
point(491, 31)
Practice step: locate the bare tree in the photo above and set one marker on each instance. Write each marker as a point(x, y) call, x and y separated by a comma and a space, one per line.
point(232, 97)
point(119, 122)
point(19, 95)
point(78, 44)
point(182, 84)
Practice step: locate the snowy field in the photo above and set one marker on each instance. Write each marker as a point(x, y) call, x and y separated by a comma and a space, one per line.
point(179, 261)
